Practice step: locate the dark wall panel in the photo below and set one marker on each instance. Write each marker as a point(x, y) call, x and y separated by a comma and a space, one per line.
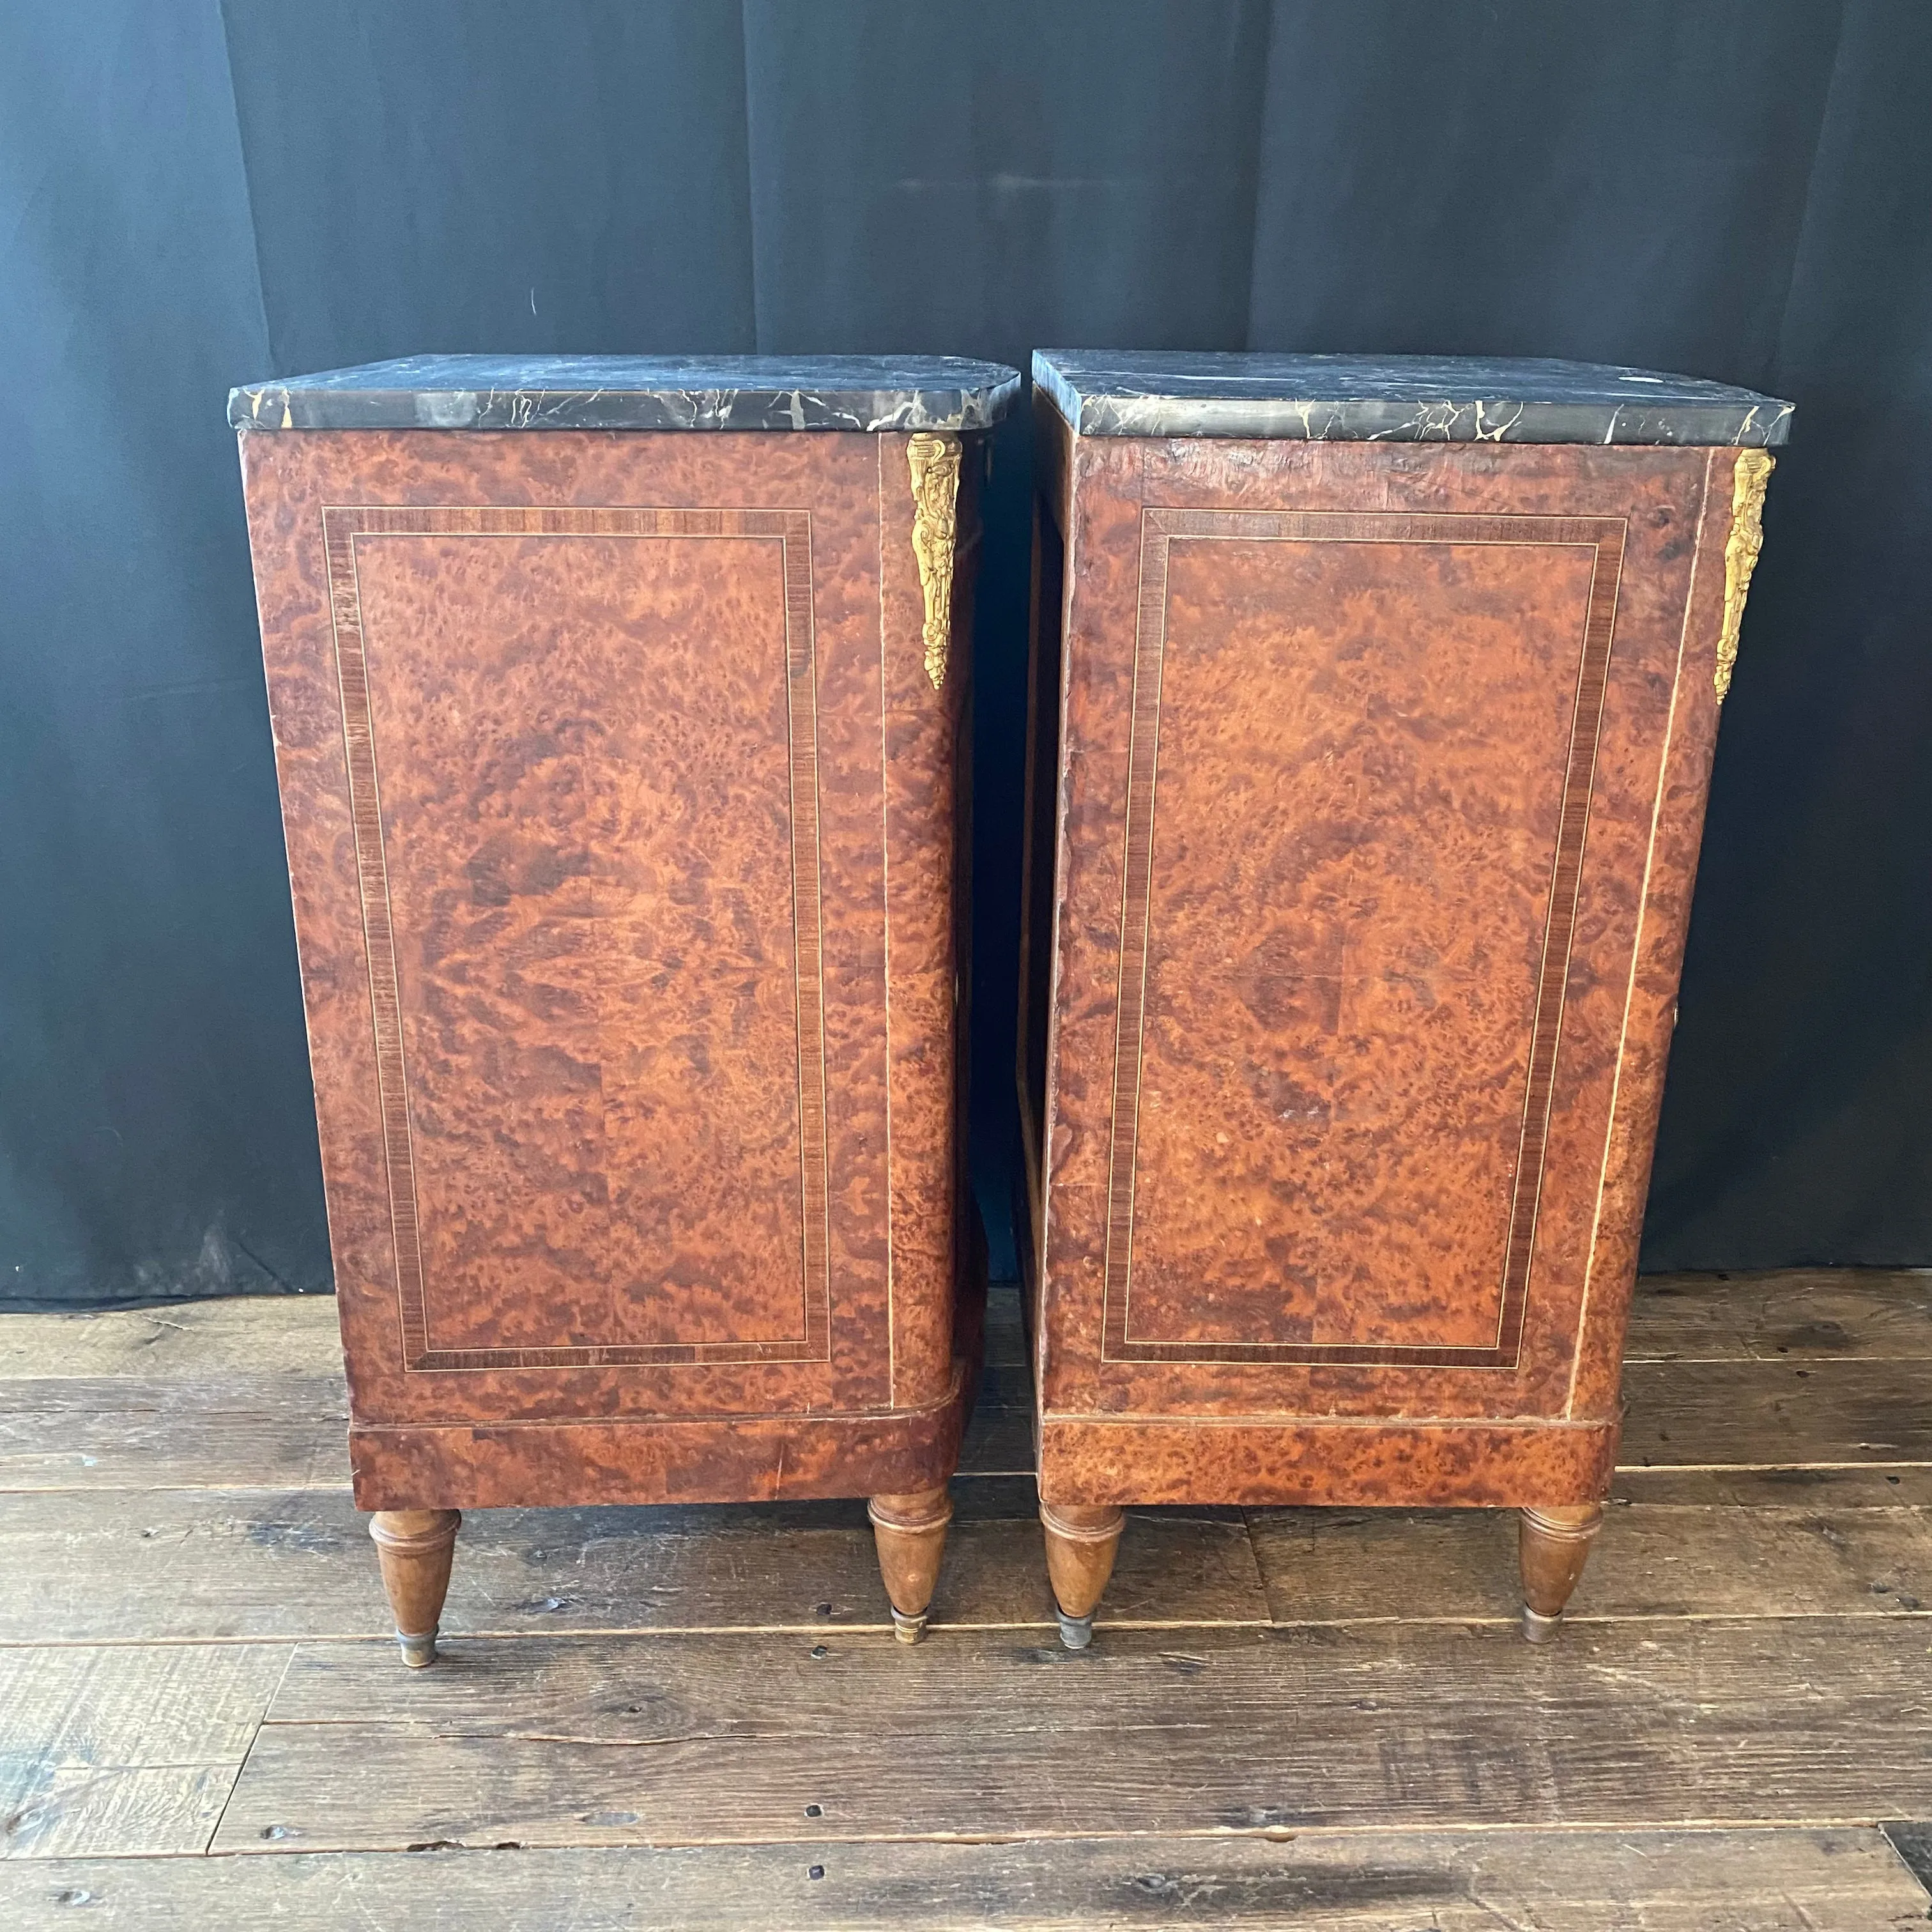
point(1617, 183)
point(991, 179)
point(155, 1130)
point(488, 175)
point(1796, 1126)
point(194, 196)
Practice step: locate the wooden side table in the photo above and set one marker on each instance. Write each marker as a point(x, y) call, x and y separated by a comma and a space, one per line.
point(1373, 705)
point(618, 708)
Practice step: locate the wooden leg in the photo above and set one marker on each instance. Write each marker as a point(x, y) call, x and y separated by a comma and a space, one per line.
point(1552, 1546)
point(910, 1532)
point(415, 1547)
point(1082, 1540)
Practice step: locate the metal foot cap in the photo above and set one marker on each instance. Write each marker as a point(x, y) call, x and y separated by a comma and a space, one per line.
point(908, 1630)
point(1538, 1628)
point(1075, 1633)
point(418, 1652)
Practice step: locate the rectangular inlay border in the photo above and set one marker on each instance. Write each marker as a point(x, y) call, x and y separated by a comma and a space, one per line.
point(792, 530)
point(1604, 536)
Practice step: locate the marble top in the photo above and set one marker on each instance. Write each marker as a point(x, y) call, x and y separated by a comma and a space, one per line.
point(784, 392)
point(1397, 399)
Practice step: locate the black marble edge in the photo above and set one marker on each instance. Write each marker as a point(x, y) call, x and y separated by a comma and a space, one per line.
point(277, 406)
point(1764, 424)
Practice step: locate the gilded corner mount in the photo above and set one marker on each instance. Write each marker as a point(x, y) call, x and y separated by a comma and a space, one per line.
point(1741, 550)
point(935, 525)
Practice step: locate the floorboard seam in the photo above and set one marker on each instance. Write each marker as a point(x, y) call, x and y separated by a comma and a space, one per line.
point(1283, 1835)
point(586, 1633)
point(1911, 1844)
point(254, 1737)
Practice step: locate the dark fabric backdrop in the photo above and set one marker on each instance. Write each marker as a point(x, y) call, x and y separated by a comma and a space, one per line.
point(197, 194)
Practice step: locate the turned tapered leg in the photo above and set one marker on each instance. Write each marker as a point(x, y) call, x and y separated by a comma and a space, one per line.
point(1552, 1545)
point(1082, 1540)
point(415, 1547)
point(910, 1532)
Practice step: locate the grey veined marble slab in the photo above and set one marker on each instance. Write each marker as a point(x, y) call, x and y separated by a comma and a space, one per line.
point(1397, 399)
point(782, 392)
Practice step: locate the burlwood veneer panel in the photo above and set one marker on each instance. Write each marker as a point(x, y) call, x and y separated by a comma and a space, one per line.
point(1632, 798)
point(1819, 1879)
point(1336, 715)
point(1656, 496)
point(290, 480)
point(666, 792)
point(686, 1459)
point(1285, 1459)
point(599, 853)
point(927, 766)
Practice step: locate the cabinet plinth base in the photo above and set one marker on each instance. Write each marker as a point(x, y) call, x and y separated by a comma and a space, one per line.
point(1351, 1464)
point(729, 1459)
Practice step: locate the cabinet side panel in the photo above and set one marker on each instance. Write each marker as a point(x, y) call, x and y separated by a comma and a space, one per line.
point(292, 599)
point(919, 744)
point(1103, 516)
point(1670, 875)
point(1039, 822)
point(632, 894)
point(1355, 1116)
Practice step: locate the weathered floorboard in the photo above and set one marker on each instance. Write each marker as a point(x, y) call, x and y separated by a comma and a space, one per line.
point(1652, 1560)
point(1683, 1414)
point(103, 1431)
point(266, 1335)
point(174, 1447)
point(1819, 1486)
point(1803, 1368)
point(1798, 1314)
point(999, 1438)
point(1746, 1646)
point(1705, 1416)
point(1794, 1314)
point(1006, 1334)
point(678, 1740)
point(212, 1563)
point(1845, 1880)
point(125, 1750)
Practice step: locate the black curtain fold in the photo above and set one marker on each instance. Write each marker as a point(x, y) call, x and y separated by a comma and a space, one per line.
point(197, 196)
point(1794, 1124)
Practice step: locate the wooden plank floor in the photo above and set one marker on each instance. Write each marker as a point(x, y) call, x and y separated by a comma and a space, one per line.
point(697, 1717)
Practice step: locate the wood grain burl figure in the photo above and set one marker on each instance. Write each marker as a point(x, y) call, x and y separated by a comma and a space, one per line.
point(1372, 705)
point(618, 707)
